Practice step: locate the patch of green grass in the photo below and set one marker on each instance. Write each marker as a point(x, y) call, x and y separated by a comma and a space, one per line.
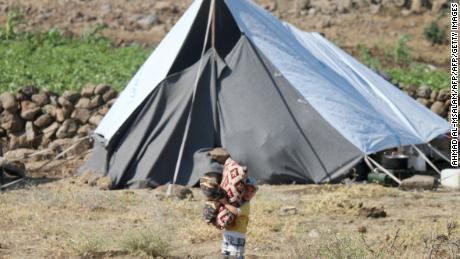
point(398, 63)
point(56, 62)
point(418, 74)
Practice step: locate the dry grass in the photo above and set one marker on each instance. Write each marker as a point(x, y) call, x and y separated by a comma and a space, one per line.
point(63, 219)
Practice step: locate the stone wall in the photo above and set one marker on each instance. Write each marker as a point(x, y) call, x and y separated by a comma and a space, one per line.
point(33, 119)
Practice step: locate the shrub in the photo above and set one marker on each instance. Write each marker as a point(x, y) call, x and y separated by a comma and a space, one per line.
point(435, 33)
point(149, 242)
point(402, 52)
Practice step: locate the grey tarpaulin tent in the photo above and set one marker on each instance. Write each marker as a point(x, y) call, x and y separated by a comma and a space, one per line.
point(288, 104)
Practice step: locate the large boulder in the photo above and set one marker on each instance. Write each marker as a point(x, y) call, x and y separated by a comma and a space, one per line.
point(11, 121)
point(29, 110)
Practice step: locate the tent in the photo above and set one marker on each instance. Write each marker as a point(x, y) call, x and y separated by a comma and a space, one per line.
point(288, 104)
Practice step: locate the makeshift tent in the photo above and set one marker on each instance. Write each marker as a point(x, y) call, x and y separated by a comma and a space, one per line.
point(289, 105)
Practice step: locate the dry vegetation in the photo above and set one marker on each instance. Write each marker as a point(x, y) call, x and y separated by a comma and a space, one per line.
point(64, 219)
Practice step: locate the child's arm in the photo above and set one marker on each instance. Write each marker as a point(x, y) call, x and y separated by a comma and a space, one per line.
point(234, 210)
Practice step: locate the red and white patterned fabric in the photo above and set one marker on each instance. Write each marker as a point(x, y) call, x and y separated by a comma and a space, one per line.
point(233, 179)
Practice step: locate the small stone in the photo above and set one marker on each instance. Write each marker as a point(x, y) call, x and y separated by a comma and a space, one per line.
point(41, 99)
point(288, 210)
point(439, 108)
point(9, 102)
point(109, 95)
point(29, 110)
point(82, 115)
point(20, 96)
point(29, 90)
point(375, 9)
point(85, 130)
point(104, 183)
point(54, 100)
point(88, 90)
point(362, 230)
point(416, 6)
point(406, 12)
point(64, 102)
point(106, 8)
point(438, 6)
point(68, 129)
point(61, 115)
point(418, 182)
point(443, 95)
point(424, 102)
point(31, 132)
point(101, 89)
point(96, 101)
point(48, 133)
point(11, 121)
point(83, 103)
point(314, 233)
point(148, 21)
point(111, 102)
point(49, 109)
point(43, 121)
point(96, 119)
point(71, 96)
point(17, 140)
point(424, 92)
point(103, 110)
point(434, 95)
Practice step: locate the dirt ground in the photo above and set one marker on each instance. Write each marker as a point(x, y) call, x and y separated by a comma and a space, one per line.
point(360, 25)
point(58, 217)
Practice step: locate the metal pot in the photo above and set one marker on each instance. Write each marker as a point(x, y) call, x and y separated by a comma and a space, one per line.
point(395, 162)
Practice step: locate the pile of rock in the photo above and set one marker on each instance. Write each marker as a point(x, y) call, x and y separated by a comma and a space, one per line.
point(437, 101)
point(33, 119)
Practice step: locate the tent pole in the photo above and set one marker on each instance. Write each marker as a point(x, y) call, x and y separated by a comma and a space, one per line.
point(213, 24)
point(385, 171)
point(189, 116)
point(426, 159)
point(368, 163)
point(439, 153)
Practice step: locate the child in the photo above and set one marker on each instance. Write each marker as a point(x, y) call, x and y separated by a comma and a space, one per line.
point(234, 237)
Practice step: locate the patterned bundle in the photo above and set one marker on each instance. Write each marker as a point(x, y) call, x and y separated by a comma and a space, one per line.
point(231, 188)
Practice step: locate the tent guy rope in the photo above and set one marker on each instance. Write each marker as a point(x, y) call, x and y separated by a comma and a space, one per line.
point(189, 117)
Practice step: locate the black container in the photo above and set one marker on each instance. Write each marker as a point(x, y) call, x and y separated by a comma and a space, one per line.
point(395, 162)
